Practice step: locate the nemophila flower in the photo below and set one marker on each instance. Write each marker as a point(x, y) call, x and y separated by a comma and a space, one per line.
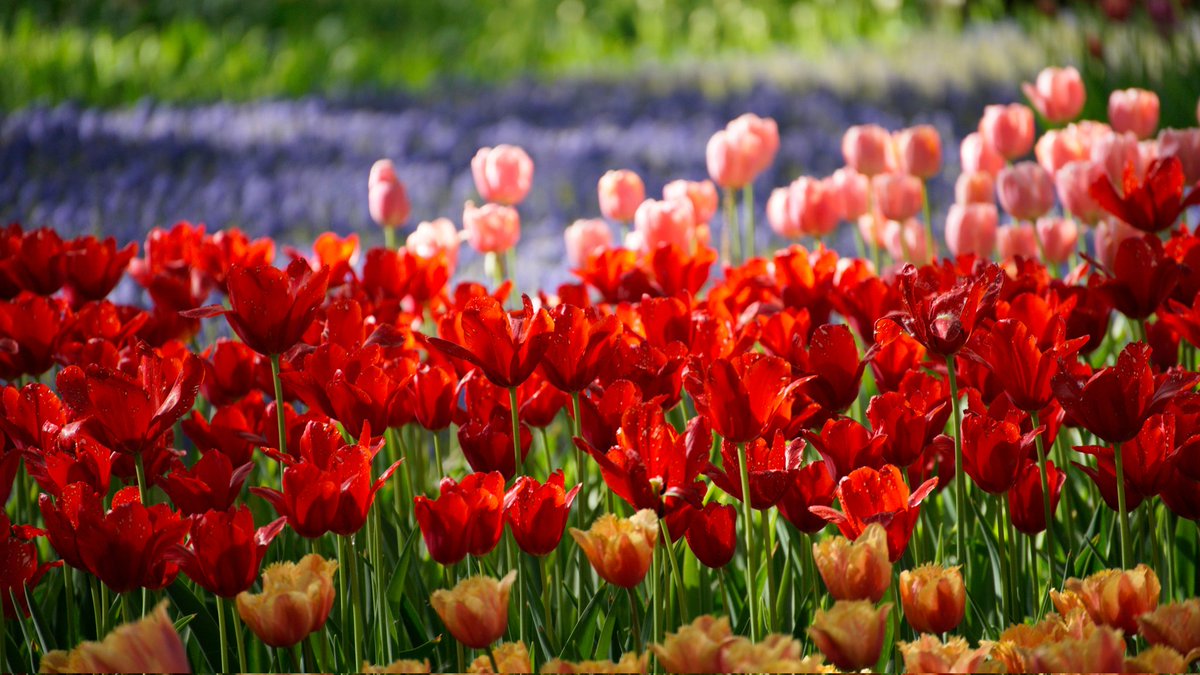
point(476, 610)
point(855, 570)
point(295, 601)
point(933, 597)
point(867, 496)
point(387, 198)
point(149, 645)
point(505, 346)
point(466, 518)
point(739, 395)
point(224, 550)
point(943, 319)
point(620, 549)
point(1026, 501)
point(712, 534)
point(270, 309)
point(1113, 598)
point(502, 174)
point(537, 512)
point(769, 465)
point(20, 570)
point(1150, 204)
point(1058, 94)
point(211, 483)
point(581, 343)
point(850, 634)
point(620, 193)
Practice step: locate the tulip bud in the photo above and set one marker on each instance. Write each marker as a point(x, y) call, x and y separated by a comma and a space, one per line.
point(491, 228)
point(906, 241)
point(1134, 110)
point(503, 174)
point(806, 207)
point(711, 534)
point(1118, 597)
point(620, 549)
point(696, 647)
point(620, 192)
point(1176, 625)
point(898, 195)
point(978, 156)
point(868, 149)
point(1059, 236)
point(853, 186)
point(1059, 147)
point(975, 188)
point(666, 222)
point(432, 238)
point(759, 136)
point(1018, 239)
point(476, 610)
point(387, 199)
point(933, 597)
point(702, 194)
point(855, 570)
point(294, 603)
point(919, 151)
point(1058, 94)
point(971, 228)
point(928, 654)
point(729, 163)
point(1026, 191)
point(585, 238)
point(1116, 152)
point(149, 645)
point(1008, 129)
point(850, 634)
point(1073, 182)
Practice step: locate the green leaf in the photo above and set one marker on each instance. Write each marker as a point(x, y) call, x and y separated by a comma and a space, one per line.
point(585, 623)
point(204, 625)
point(396, 585)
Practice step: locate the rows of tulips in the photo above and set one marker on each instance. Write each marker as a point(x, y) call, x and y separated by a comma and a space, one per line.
point(797, 462)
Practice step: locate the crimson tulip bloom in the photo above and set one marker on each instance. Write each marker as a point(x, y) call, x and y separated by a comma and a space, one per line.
point(1026, 501)
point(739, 395)
point(487, 443)
point(867, 496)
point(894, 354)
point(230, 369)
point(600, 411)
point(434, 392)
point(579, 346)
point(1146, 463)
point(846, 445)
point(910, 418)
point(94, 268)
point(537, 513)
point(219, 253)
point(1024, 369)
point(657, 372)
point(31, 417)
point(20, 570)
point(225, 552)
point(31, 328)
point(77, 459)
point(1143, 276)
point(679, 273)
point(270, 309)
point(237, 429)
point(942, 320)
point(506, 346)
point(1114, 402)
point(712, 534)
point(1152, 204)
point(994, 450)
point(810, 485)
point(212, 483)
point(354, 388)
point(769, 465)
point(329, 488)
point(833, 360)
point(35, 262)
point(467, 517)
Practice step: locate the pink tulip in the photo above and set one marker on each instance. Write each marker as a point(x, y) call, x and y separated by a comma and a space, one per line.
point(585, 238)
point(432, 238)
point(868, 149)
point(919, 151)
point(1147, 152)
point(387, 200)
point(1017, 240)
point(779, 214)
point(491, 228)
point(978, 156)
point(620, 192)
point(1110, 232)
point(853, 186)
point(1058, 94)
point(503, 174)
point(670, 221)
point(1133, 110)
point(971, 228)
point(808, 206)
point(898, 195)
point(729, 163)
point(1183, 144)
point(1026, 190)
point(765, 135)
point(1073, 183)
point(702, 194)
point(871, 227)
point(906, 241)
point(1058, 147)
point(1008, 129)
point(1115, 152)
point(975, 188)
point(1059, 238)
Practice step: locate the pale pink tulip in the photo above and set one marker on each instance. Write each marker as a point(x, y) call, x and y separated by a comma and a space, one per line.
point(702, 194)
point(1059, 237)
point(491, 228)
point(387, 200)
point(432, 238)
point(503, 174)
point(1026, 191)
point(971, 228)
point(898, 195)
point(1008, 129)
point(977, 156)
point(1073, 183)
point(670, 221)
point(853, 186)
point(1110, 232)
point(1058, 94)
point(585, 238)
point(1133, 110)
point(1017, 240)
point(906, 241)
point(765, 134)
point(1183, 144)
point(975, 188)
point(620, 193)
point(919, 151)
point(868, 149)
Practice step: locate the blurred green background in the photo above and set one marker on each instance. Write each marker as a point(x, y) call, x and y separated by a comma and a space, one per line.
point(113, 52)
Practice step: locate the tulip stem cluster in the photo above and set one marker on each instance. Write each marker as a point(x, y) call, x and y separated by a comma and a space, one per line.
point(1122, 511)
point(960, 475)
point(752, 597)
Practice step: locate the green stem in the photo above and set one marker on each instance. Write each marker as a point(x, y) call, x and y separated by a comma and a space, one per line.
point(128, 608)
point(97, 606)
point(929, 242)
point(633, 618)
point(676, 573)
point(280, 421)
point(357, 589)
point(960, 484)
point(765, 522)
point(69, 594)
point(748, 208)
point(514, 411)
point(747, 528)
point(1122, 514)
point(224, 634)
point(492, 657)
point(580, 467)
point(240, 639)
point(1005, 594)
point(733, 233)
point(143, 489)
point(1048, 511)
point(389, 238)
point(437, 455)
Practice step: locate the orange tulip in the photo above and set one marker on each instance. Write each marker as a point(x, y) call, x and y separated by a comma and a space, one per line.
point(1116, 597)
point(150, 645)
point(294, 603)
point(1103, 651)
point(511, 657)
point(620, 548)
point(855, 570)
point(1156, 659)
point(629, 663)
point(774, 654)
point(476, 610)
point(696, 647)
point(401, 666)
point(850, 634)
point(933, 597)
point(1176, 625)
point(928, 654)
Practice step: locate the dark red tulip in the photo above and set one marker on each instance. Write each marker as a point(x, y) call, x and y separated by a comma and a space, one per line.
point(1026, 501)
point(10, 461)
point(769, 465)
point(230, 369)
point(487, 443)
point(434, 392)
point(20, 570)
point(601, 411)
point(95, 267)
point(76, 459)
point(785, 334)
point(661, 321)
point(392, 275)
point(506, 346)
point(1088, 317)
point(354, 387)
point(218, 254)
point(936, 461)
point(212, 483)
point(31, 327)
point(678, 273)
point(810, 485)
point(1024, 369)
point(237, 429)
point(1142, 277)
point(99, 331)
point(132, 413)
point(225, 552)
point(863, 298)
point(806, 279)
point(893, 355)
point(35, 262)
point(943, 319)
point(31, 417)
point(994, 450)
point(270, 309)
point(1114, 402)
point(1145, 458)
point(1151, 204)
point(833, 361)
point(740, 395)
point(846, 445)
point(537, 513)
point(171, 273)
point(657, 373)
point(466, 518)
point(580, 345)
point(868, 496)
point(911, 417)
point(712, 535)
point(1182, 495)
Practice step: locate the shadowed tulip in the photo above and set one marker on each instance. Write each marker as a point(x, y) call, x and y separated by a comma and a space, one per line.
point(1182, 144)
point(149, 645)
point(712, 534)
point(850, 634)
point(295, 601)
point(476, 610)
point(20, 570)
point(855, 570)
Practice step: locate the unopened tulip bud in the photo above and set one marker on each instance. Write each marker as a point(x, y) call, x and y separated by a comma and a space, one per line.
point(1018, 239)
point(1073, 183)
point(971, 228)
point(620, 192)
point(491, 228)
point(1009, 129)
point(853, 186)
point(1026, 191)
point(702, 194)
point(760, 137)
point(666, 222)
point(1134, 110)
point(855, 570)
point(503, 174)
point(1059, 237)
point(919, 151)
point(898, 195)
point(476, 610)
point(1058, 94)
point(585, 238)
point(387, 200)
point(975, 188)
point(933, 597)
point(978, 156)
point(868, 149)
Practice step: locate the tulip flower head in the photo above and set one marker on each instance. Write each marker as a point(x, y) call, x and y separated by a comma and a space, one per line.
point(933, 597)
point(387, 199)
point(502, 174)
point(149, 645)
point(855, 570)
point(537, 513)
point(867, 495)
point(620, 549)
point(20, 570)
point(1133, 110)
point(467, 517)
point(712, 535)
point(505, 346)
point(929, 654)
point(295, 601)
point(225, 551)
point(620, 192)
point(476, 610)
point(850, 634)
point(1114, 598)
point(1058, 94)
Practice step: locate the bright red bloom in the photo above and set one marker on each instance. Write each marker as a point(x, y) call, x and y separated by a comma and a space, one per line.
point(537, 513)
point(678, 273)
point(1145, 459)
point(506, 346)
point(467, 517)
point(769, 465)
point(615, 273)
point(1114, 402)
point(94, 267)
point(225, 552)
point(1152, 204)
point(863, 298)
point(869, 496)
point(846, 445)
point(1143, 276)
point(893, 355)
point(31, 328)
point(810, 485)
point(230, 369)
point(212, 483)
point(911, 417)
point(339, 254)
point(171, 273)
point(35, 262)
point(657, 373)
point(712, 536)
point(434, 392)
point(31, 417)
point(354, 387)
point(833, 360)
point(270, 309)
point(237, 429)
point(19, 567)
point(740, 395)
point(329, 488)
point(1024, 369)
point(942, 319)
point(132, 413)
point(229, 248)
point(600, 411)
point(994, 450)
point(1026, 501)
point(487, 443)
point(390, 276)
point(580, 345)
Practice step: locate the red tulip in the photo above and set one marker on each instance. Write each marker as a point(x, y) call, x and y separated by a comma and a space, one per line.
point(1145, 459)
point(579, 346)
point(943, 320)
point(656, 372)
point(910, 417)
point(434, 392)
point(31, 417)
point(354, 387)
point(993, 451)
point(601, 411)
point(834, 362)
point(212, 483)
point(228, 248)
point(712, 534)
point(31, 327)
point(93, 267)
point(846, 445)
point(467, 518)
point(270, 309)
point(894, 354)
point(1024, 369)
point(739, 395)
point(1151, 204)
point(225, 552)
point(810, 485)
point(537, 513)
point(769, 465)
point(868, 496)
point(237, 429)
point(35, 262)
point(1026, 501)
point(393, 275)
point(230, 368)
point(506, 346)
point(19, 567)
point(487, 443)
